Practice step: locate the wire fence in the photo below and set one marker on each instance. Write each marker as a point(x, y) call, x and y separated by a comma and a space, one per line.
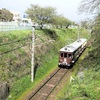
point(8, 26)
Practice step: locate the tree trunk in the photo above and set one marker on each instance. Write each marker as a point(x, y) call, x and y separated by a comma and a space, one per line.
point(67, 26)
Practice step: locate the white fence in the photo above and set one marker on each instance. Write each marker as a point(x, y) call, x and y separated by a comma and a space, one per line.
point(8, 26)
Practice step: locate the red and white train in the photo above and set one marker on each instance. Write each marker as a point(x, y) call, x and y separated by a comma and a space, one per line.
point(69, 54)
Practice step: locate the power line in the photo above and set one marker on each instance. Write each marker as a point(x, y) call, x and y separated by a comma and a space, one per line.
point(15, 41)
point(15, 58)
point(12, 49)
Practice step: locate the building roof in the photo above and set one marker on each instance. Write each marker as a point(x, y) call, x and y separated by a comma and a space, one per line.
point(73, 46)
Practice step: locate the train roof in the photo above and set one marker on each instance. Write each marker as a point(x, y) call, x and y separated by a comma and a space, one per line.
point(73, 46)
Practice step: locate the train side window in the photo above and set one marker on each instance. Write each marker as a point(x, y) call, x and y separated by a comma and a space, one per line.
point(65, 55)
point(61, 54)
point(69, 55)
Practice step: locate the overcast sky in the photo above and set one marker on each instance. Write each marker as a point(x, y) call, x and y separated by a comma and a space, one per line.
point(69, 8)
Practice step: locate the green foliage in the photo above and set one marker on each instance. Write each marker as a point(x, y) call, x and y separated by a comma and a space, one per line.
point(51, 33)
point(17, 72)
point(13, 60)
point(88, 87)
point(41, 15)
point(47, 15)
point(5, 15)
point(61, 22)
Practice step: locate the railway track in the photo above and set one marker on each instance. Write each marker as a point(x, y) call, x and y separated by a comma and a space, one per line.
point(44, 91)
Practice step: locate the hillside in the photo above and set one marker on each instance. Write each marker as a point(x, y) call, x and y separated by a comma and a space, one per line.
point(86, 84)
point(15, 62)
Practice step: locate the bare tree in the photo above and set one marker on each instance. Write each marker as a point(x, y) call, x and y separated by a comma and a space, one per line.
point(89, 6)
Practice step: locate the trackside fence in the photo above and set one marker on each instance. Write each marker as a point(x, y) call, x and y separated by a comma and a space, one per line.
point(8, 26)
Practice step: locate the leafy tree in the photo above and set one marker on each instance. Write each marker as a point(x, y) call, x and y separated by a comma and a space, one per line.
point(64, 22)
point(41, 15)
point(69, 23)
point(47, 15)
point(60, 21)
point(5, 15)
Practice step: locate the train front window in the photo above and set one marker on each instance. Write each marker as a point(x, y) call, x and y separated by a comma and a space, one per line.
point(65, 55)
point(61, 54)
point(69, 55)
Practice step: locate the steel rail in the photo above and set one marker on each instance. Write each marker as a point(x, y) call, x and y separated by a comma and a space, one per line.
point(43, 84)
point(55, 85)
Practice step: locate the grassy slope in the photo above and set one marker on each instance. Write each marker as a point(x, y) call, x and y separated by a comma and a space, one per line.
point(46, 63)
point(87, 88)
point(10, 63)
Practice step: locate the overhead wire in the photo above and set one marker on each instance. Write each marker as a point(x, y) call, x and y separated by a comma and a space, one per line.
point(15, 58)
point(12, 50)
point(26, 38)
point(15, 41)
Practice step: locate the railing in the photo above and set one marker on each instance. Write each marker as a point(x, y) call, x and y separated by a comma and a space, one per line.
point(8, 26)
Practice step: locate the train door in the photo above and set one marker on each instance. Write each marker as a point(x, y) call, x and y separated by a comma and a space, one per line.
point(69, 58)
point(61, 57)
point(65, 57)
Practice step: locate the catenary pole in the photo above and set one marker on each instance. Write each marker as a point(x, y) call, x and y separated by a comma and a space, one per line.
point(78, 35)
point(32, 54)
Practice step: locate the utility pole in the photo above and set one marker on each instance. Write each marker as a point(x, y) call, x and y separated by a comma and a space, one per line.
point(78, 37)
point(32, 54)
